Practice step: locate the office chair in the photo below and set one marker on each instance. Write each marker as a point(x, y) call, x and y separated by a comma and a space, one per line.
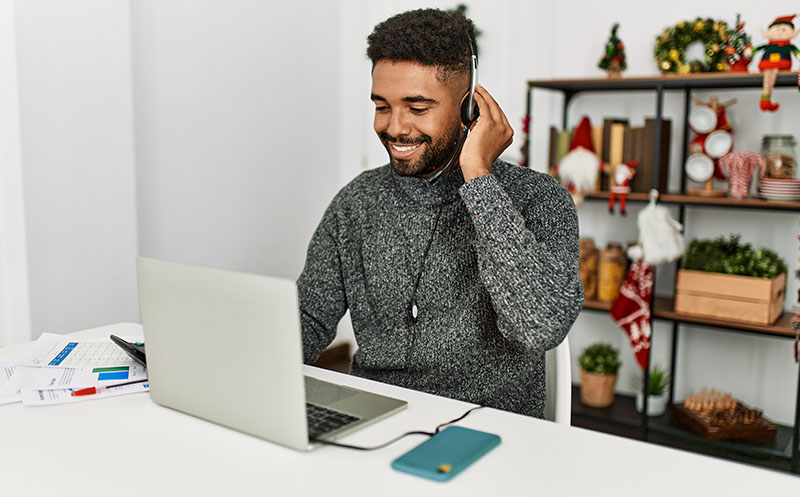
point(558, 384)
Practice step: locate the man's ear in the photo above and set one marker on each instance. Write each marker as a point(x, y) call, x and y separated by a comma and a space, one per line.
point(765, 32)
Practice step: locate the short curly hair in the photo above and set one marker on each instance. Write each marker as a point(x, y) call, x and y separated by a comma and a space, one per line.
point(431, 37)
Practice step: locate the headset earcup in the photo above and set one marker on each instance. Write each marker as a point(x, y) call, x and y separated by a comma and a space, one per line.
point(466, 118)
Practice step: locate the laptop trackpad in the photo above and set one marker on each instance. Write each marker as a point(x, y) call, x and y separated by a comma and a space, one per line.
point(324, 393)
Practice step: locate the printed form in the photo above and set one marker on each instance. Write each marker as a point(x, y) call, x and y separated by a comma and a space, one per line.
point(56, 365)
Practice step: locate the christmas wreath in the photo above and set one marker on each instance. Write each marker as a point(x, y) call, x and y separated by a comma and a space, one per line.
point(671, 46)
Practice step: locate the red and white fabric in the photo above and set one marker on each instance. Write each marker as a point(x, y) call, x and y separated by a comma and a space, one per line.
point(631, 309)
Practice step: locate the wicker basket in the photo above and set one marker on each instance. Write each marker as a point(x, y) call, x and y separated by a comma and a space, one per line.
point(597, 390)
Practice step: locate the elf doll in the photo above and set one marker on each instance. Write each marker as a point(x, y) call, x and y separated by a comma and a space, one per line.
point(621, 176)
point(777, 56)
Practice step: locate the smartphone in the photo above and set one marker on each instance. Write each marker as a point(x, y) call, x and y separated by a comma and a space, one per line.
point(135, 350)
point(447, 453)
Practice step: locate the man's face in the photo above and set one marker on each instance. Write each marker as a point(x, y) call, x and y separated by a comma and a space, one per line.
point(417, 117)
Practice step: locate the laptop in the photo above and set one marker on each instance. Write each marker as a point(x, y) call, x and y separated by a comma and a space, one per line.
point(225, 346)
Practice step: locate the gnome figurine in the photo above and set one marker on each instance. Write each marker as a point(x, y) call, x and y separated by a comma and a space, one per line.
point(579, 169)
point(777, 56)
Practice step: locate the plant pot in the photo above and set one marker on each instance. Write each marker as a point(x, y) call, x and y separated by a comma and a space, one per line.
point(614, 70)
point(597, 390)
point(740, 65)
point(656, 404)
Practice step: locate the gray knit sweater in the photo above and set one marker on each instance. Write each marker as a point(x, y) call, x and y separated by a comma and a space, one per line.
point(498, 287)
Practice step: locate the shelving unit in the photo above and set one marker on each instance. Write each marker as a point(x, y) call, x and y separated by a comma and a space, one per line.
point(623, 415)
point(787, 443)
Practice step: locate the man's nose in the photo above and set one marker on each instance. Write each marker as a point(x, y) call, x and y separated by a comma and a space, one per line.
point(398, 125)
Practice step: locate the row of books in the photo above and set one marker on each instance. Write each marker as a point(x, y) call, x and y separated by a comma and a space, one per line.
point(616, 142)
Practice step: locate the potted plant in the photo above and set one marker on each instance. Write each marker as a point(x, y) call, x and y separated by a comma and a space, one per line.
point(656, 392)
point(599, 364)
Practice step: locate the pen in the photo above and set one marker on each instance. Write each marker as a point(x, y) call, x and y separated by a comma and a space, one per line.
point(94, 390)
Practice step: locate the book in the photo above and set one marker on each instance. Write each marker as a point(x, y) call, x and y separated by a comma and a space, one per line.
point(597, 140)
point(605, 146)
point(633, 149)
point(616, 143)
point(552, 150)
point(562, 145)
point(559, 146)
point(648, 161)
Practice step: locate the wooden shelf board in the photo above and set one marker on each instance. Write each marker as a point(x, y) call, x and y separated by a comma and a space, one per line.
point(668, 82)
point(677, 198)
point(665, 309)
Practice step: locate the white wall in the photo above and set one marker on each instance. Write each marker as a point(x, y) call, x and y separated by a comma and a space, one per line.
point(77, 149)
point(237, 129)
point(15, 315)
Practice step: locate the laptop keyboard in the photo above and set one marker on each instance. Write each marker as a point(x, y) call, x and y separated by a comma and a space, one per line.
point(322, 420)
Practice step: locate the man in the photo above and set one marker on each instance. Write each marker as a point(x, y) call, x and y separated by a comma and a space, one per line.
point(455, 287)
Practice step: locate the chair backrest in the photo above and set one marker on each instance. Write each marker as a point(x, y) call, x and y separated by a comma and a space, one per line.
point(558, 384)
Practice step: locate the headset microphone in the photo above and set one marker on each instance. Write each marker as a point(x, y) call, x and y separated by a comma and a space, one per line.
point(469, 112)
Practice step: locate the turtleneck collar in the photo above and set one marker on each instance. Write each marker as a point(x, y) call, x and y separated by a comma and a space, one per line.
point(421, 191)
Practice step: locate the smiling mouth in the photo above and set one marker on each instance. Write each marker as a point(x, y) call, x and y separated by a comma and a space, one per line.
point(402, 151)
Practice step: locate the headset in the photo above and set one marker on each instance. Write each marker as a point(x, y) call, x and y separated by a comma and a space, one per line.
point(469, 111)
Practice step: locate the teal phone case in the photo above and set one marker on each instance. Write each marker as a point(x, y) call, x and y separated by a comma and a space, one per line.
point(447, 453)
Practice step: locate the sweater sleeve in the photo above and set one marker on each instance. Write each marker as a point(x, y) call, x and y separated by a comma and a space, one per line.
point(528, 266)
point(320, 289)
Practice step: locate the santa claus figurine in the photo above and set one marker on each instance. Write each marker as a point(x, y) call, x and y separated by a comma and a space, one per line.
point(777, 56)
point(621, 176)
point(578, 170)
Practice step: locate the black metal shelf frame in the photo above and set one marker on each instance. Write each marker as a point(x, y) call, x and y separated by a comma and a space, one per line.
point(780, 447)
point(570, 88)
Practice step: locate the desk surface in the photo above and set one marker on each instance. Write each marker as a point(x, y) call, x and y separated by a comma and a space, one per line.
point(128, 445)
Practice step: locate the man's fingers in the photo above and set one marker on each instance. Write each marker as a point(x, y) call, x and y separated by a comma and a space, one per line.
point(498, 118)
point(490, 104)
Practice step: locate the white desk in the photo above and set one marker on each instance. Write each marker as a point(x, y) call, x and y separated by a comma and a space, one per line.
point(130, 446)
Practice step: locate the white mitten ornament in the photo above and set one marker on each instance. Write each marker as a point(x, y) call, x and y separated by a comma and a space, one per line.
point(659, 234)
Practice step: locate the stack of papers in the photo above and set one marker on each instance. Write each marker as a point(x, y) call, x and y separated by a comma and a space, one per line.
point(57, 365)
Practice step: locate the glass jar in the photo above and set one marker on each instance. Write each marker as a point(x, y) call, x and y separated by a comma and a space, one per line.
point(611, 270)
point(778, 152)
point(588, 267)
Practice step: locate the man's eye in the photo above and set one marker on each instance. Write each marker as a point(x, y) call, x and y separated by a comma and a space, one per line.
point(418, 110)
point(381, 108)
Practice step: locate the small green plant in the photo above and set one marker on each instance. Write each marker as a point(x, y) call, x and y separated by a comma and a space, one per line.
point(730, 256)
point(600, 358)
point(659, 380)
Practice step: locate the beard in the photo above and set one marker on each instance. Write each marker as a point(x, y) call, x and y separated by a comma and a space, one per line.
point(436, 154)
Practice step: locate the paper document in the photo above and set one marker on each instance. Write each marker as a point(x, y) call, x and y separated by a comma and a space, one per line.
point(36, 378)
point(51, 385)
point(7, 372)
point(58, 352)
point(66, 352)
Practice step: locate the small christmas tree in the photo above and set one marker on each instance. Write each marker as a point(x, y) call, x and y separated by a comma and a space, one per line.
point(739, 47)
point(613, 59)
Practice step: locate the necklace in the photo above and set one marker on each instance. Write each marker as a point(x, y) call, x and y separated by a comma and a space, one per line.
point(412, 307)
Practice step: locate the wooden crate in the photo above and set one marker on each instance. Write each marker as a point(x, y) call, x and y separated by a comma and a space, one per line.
point(731, 297)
